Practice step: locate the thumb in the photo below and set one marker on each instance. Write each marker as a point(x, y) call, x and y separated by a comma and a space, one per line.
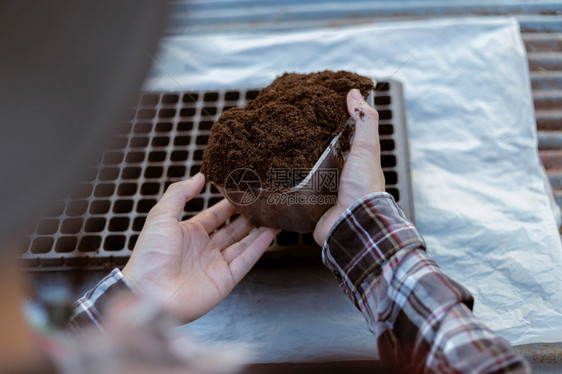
point(366, 118)
point(172, 202)
point(364, 159)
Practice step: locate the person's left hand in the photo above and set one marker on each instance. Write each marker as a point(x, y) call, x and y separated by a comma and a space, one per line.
point(187, 267)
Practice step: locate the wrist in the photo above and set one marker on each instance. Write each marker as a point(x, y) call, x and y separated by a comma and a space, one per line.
point(325, 224)
point(366, 235)
point(125, 272)
point(335, 214)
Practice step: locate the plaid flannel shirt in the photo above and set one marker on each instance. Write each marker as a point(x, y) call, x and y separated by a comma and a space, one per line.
point(421, 318)
point(90, 308)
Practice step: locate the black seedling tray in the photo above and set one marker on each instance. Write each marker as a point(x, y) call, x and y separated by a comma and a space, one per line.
point(163, 142)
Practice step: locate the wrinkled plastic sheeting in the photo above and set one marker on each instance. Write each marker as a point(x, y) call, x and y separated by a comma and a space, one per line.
point(480, 201)
point(289, 314)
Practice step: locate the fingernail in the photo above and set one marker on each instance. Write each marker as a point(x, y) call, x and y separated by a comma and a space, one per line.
point(197, 176)
point(356, 95)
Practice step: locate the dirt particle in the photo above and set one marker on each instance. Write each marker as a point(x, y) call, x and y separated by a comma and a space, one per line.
point(361, 113)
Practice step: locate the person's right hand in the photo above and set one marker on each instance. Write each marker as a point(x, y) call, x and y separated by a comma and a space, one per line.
point(188, 267)
point(362, 173)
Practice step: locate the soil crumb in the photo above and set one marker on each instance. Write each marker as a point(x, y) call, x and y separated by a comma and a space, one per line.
point(360, 112)
point(288, 125)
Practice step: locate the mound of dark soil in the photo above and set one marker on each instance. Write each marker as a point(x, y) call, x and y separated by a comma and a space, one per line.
point(288, 125)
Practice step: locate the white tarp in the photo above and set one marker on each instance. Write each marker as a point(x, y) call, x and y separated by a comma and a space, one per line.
point(480, 201)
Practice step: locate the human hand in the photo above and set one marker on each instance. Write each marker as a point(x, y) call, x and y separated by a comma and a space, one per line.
point(187, 267)
point(362, 173)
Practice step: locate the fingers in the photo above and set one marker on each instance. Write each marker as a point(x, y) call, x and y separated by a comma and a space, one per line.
point(172, 202)
point(233, 251)
point(244, 254)
point(325, 223)
point(232, 232)
point(362, 172)
point(366, 123)
point(215, 216)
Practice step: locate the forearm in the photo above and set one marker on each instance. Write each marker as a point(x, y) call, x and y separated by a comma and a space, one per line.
point(424, 323)
point(421, 317)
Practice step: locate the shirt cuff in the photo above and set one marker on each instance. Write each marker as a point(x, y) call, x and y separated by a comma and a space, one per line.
point(369, 233)
point(89, 309)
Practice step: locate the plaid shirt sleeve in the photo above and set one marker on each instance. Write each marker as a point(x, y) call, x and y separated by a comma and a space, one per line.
point(90, 308)
point(421, 318)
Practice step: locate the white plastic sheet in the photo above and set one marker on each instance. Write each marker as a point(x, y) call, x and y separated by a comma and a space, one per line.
point(480, 201)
